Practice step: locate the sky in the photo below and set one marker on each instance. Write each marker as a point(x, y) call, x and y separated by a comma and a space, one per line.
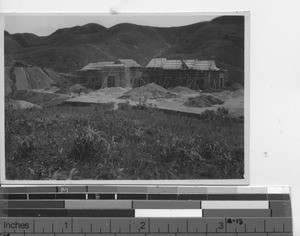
point(43, 25)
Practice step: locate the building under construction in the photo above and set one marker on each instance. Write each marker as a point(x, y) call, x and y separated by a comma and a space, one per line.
point(195, 74)
point(119, 73)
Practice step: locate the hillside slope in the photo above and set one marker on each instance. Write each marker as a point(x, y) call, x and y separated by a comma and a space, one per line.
point(221, 40)
point(69, 49)
point(30, 77)
point(11, 45)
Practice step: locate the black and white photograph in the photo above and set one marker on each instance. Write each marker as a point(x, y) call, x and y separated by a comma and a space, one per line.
point(125, 96)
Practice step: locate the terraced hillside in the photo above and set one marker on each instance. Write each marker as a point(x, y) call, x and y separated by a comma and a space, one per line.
point(30, 77)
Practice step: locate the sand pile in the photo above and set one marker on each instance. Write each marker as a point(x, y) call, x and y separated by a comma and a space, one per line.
point(236, 86)
point(224, 95)
point(203, 100)
point(18, 104)
point(182, 90)
point(148, 91)
point(238, 93)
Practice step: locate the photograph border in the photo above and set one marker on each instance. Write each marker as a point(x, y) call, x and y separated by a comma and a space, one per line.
point(192, 182)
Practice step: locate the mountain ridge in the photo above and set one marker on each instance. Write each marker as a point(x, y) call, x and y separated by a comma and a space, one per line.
point(69, 49)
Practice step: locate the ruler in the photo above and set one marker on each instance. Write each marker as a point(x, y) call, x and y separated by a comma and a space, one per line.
point(143, 211)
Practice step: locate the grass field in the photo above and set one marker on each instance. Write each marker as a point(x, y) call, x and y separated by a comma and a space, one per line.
point(96, 142)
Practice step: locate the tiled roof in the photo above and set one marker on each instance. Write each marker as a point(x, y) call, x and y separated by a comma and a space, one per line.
point(193, 64)
point(97, 65)
point(173, 65)
point(205, 65)
point(156, 62)
point(128, 62)
point(190, 63)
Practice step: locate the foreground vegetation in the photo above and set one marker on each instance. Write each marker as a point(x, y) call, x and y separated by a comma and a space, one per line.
point(96, 142)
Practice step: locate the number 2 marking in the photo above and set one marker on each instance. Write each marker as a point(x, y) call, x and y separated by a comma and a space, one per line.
point(143, 225)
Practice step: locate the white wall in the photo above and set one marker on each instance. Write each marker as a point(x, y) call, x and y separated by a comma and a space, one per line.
point(274, 79)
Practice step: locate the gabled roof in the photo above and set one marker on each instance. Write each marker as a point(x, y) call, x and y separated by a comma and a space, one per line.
point(120, 62)
point(174, 65)
point(193, 64)
point(128, 62)
point(190, 63)
point(205, 65)
point(201, 65)
point(156, 62)
point(97, 65)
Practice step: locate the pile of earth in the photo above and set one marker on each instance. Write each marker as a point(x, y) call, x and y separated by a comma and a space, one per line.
point(203, 100)
point(224, 95)
point(235, 86)
point(183, 90)
point(35, 97)
point(18, 104)
point(76, 88)
point(238, 93)
point(148, 91)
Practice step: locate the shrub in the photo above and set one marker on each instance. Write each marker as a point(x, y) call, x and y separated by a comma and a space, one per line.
point(87, 144)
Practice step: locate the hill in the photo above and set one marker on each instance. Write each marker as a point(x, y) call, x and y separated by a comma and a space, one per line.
point(69, 49)
point(11, 45)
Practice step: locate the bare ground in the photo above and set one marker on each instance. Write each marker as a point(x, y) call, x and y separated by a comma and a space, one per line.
point(233, 101)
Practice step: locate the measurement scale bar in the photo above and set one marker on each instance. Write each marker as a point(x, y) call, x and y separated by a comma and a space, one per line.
point(235, 204)
point(145, 211)
point(217, 225)
point(179, 213)
point(104, 204)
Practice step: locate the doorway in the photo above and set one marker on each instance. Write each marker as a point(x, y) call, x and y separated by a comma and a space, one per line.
point(111, 81)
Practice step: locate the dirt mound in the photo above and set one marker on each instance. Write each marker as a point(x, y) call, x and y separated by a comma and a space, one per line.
point(224, 95)
point(238, 93)
point(148, 91)
point(203, 100)
point(18, 104)
point(236, 86)
point(76, 88)
point(181, 89)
